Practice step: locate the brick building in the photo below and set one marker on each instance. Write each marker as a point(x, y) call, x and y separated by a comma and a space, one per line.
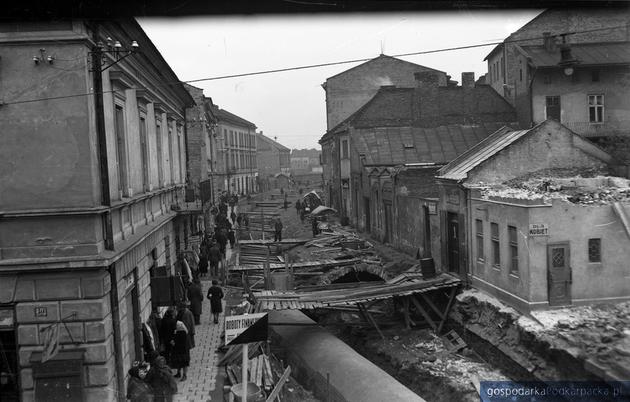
point(386, 154)
point(237, 136)
point(531, 217)
point(273, 159)
point(86, 195)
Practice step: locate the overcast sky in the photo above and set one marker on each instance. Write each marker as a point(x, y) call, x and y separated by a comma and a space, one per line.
point(291, 105)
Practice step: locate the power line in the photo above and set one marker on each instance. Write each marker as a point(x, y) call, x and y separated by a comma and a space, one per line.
point(169, 83)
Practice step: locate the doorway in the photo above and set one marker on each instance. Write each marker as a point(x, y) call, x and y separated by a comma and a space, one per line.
point(559, 274)
point(452, 229)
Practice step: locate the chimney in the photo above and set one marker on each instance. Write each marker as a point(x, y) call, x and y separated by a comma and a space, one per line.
point(549, 41)
point(468, 80)
point(426, 79)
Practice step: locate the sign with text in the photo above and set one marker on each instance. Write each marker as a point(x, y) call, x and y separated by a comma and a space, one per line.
point(538, 229)
point(236, 324)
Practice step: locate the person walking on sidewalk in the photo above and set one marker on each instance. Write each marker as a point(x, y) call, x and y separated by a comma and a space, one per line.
point(137, 389)
point(214, 257)
point(277, 234)
point(161, 380)
point(167, 329)
point(195, 295)
point(215, 294)
point(186, 316)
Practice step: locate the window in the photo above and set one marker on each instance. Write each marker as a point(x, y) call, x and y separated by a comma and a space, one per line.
point(496, 249)
point(121, 152)
point(160, 157)
point(170, 153)
point(596, 108)
point(344, 149)
point(520, 73)
point(479, 227)
point(512, 238)
point(547, 79)
point(552, 107)
point(144, 153)
point(594, 250)
point(180, 157)
point(595, 75)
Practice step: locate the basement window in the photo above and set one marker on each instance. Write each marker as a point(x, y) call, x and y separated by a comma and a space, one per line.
point(408, 145)
point(594, 250)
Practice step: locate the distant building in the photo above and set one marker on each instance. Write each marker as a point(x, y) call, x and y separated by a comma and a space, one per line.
point(237, 137)
point(273, 159)
point(90, 198)
point(306, 169)
point(532, 217)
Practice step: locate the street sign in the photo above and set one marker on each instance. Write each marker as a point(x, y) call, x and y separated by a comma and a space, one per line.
point(538, 229)
point(236, 324)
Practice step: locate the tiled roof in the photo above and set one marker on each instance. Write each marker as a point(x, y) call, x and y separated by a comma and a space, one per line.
point(272, 142)
point(224, 116)
point(586, 53)
point(400, 145)
point(441, 106)
point(383, 56)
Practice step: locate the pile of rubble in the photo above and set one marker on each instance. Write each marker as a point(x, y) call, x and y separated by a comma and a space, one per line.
point(339, 244)
point(577, 189)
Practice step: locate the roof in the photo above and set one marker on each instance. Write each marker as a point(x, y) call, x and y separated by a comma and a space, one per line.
point(382, 57)
point(433, 107)
point(403, 285)
point(459, 168)
point(303, 153)
point(587, 54)
point(224, 116)
point(414, 144)
point(271, 142)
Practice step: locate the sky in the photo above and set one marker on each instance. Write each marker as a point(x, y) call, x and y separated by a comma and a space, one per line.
point(291, 105)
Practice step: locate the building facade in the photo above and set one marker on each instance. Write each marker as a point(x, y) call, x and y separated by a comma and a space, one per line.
point(237, 136)
point(272, 160)
point(88, 190)
point(532, 217)
point(306, 168)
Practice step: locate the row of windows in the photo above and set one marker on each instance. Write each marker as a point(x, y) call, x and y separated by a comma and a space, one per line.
point(239, 139)
point(241, 160)
point(123, 154)
point(595, 107)
point(594, 249)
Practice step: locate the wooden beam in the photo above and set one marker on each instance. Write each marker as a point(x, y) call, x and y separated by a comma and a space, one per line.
point(370, 319)
point(279, 384)
point(448, 308)
point(422, 311)
point(432, 305)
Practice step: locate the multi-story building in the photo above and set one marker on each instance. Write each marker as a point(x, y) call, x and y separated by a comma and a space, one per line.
point(93, 153)
point(273, 160)
point(237, 137)
point(306, 168)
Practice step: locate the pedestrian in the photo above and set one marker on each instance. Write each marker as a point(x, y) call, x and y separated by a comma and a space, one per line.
point(195, 295)
point(239, 220)
point(137, 389)
point(215, 294)
point(214, 256)
point(246, 221)
point(222, 240)
point(161, 380)
point(231, 238)
point(181, 350)
point(314, 226)
point(167, 328)
point(298, 206)
point(203, 262)
point(277, 234)
point(186, 316)
point(233, 217)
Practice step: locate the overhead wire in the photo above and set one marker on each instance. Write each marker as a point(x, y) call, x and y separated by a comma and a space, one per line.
point(448, 49)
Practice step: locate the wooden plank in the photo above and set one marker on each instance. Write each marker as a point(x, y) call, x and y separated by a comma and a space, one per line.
point(423, 312)
point(432, 305)
point(279, 384)
point(448, 308)
point(370, 319)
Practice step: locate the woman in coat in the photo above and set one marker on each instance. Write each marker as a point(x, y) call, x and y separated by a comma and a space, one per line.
point(181, 350)
point(215, 294)
point(137, 389)
point(161, 380)
point(167, 329)
point(195, 296)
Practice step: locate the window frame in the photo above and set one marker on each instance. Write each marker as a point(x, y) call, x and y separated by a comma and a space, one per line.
point(122, 164)
point(143, 133)
point(345, 148)
point(599, 250)
point(596, 107)
point(496, 245)
point(559, 106)
point(513, 249)
point(480, 240)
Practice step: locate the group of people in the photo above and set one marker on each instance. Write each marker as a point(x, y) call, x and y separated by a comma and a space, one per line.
point(167, 341)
